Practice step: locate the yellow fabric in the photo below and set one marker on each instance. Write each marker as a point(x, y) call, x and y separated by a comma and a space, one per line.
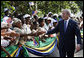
point(43, 47)
point(47, 50)
point(13, 53)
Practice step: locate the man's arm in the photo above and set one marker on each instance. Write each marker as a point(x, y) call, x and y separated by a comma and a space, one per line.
point(77, 33)
point(55, 30)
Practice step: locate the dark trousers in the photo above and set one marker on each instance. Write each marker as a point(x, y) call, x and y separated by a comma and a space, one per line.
point(69, 53)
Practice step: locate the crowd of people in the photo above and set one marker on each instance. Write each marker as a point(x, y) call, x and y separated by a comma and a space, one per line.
point(21, 28)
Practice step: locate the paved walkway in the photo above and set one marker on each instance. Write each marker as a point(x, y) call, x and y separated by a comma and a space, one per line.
point(79, 54)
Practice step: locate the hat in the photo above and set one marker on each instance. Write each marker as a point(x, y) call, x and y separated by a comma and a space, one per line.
point(16, 20)
point(55, 15)
point(26, 15)
point(49, 18)
point(49, 13)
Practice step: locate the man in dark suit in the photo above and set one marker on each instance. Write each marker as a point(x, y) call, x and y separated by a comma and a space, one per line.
point(68, 29)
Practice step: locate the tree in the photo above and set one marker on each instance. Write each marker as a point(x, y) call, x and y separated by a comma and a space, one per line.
point(23, 7)
point(57, 6)
point(80, 4)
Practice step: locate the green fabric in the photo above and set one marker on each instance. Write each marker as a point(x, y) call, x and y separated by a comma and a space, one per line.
point(57, 19)
point(10, 49)
point(38, 41)
point(42, 44)
point(25, 52)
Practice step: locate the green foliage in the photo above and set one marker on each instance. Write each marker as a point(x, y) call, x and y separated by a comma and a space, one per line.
point(43, 6)
point(6, 4)
point(80, 4)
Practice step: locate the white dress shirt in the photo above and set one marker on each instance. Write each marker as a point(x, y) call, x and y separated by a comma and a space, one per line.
point(67, 22)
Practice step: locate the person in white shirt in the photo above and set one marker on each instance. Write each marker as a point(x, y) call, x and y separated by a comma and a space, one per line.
point(49, 23)
point(27, 26)
point(18, 29)
point(42, 28)
point(7, 35)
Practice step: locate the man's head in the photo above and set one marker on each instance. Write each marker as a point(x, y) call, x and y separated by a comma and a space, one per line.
point(65, 14)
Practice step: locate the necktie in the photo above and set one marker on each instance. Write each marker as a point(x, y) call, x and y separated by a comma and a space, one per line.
point(65, 26)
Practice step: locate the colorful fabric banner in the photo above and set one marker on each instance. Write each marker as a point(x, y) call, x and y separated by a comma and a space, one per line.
point(34, 42)
point(38, 41)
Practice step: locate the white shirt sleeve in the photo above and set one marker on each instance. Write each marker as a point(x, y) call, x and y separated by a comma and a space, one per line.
point(4, 43)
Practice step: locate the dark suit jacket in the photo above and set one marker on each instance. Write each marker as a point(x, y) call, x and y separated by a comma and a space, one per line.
point(67, 39)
